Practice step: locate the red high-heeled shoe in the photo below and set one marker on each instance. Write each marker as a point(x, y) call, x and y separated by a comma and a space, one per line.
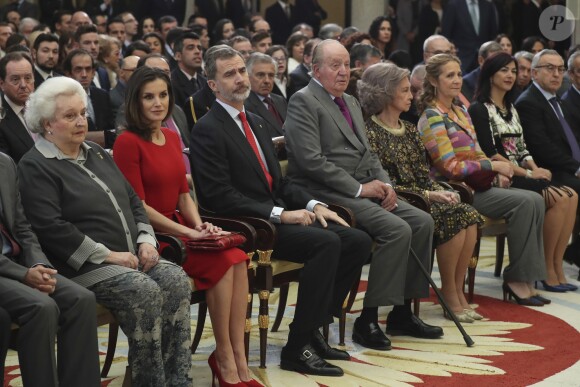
point(215, 374)
point(252, 383)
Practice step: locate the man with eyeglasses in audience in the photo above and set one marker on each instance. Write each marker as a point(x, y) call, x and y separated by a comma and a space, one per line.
point(549, 129)
point(117, 94)
point(17, 83)
point(242, 45)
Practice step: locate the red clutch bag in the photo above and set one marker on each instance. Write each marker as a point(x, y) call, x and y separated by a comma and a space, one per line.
point(481, 180)
point(216, 242)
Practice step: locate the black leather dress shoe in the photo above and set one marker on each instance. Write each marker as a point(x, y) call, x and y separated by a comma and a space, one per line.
point(324, 350)
point(307, 361)
point(411, 325)
point(370, 335)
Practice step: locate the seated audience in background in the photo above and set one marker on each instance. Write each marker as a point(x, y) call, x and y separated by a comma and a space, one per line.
point(571, 97)
point(258, 24)
point(186, 79)
point(149, 156)
point(399, 149)
point(416, 80)
point(329, 155)
point(281, 16)
point(357, 37)
point(199, 103)
point(306, 30)
point(80, 66)
point(329, 31)
point(300, 77)
point(138, 48)
point(281, 82)
point(202, 31)
point(45, 57)
point(242, 45)
point(524, 78)
point(233, 177)
point(44, 304)
point(146, 25)
point(295, 46)
point(223, 30)
point(261, 42)
point(449, 137)
point(533, 44)
point(272, 108)
point(131, 27)
point(16, 40)
point(470, 79)
point(346, 34)
point(499, 133)
point(381, 33)
point(363, 56)
point(117, 94)
point(109, 248)
point(156, 43)
point(505, 42)
point(16, 82)
point(86, 38)
point(109, 56)
point(401, 58)
point(116, 29)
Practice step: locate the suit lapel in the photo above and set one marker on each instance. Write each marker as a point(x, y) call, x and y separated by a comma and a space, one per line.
point(18, 129)
point(328, 103)
point(550, 111)
point(257, 106)
point(238, 138)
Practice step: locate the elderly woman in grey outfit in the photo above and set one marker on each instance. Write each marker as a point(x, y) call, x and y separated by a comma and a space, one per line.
point(92, 225)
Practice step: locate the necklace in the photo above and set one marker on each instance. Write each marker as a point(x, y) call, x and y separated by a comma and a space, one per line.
point(396, 131)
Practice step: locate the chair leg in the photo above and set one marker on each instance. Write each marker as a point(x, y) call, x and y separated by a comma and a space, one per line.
point(499, 250)
point(471, 268)
point(113, 333)
point(283, 299)
point(201, 315)
point(248, 328)
point(128, 379)
point(342, 327)
point(263, 322)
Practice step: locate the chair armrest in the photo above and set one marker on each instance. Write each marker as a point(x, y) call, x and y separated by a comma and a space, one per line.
point(235, 225)
point(175, 252)
point(265, 230)
point(414, 199)
point(465, 193)
point(345, 213)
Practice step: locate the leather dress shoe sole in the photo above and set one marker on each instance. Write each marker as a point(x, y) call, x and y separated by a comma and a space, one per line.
point(307, 361)
point(373, 338)
point(414, 327)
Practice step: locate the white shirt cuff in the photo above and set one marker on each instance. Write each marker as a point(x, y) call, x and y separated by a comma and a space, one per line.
point(275, 215)
point(311, 204)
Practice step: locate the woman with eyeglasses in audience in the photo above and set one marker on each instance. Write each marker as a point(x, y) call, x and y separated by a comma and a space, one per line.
point(500, 135)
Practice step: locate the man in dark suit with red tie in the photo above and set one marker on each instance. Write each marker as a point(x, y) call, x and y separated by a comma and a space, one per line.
point(271, 107)
point(236, 172)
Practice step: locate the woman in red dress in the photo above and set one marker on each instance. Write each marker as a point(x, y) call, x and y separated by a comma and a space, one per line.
point(150, 158)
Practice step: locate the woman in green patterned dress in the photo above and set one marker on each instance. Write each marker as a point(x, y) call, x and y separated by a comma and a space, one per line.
point(385, 92)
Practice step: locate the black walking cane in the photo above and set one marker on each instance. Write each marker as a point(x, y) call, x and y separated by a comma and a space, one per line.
point(466, 337)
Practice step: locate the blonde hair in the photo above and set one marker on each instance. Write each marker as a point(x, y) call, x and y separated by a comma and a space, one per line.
point(433, 71)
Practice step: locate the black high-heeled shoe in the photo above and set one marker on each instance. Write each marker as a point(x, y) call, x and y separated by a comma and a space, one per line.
point(508, 294)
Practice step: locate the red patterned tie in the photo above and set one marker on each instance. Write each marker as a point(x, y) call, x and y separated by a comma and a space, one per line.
point(252, 141)
point(272, 109)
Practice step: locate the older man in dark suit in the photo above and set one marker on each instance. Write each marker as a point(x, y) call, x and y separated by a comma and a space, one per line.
point(329, 154)
point(236, 172)
point(43, 303)
point(271, 107)
point(17, 83)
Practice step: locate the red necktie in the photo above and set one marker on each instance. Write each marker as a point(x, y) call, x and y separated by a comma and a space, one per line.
point(252, 141)
point(15, 246)
point(272, 109)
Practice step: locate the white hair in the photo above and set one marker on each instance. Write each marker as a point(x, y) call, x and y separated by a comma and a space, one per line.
point(41, 106)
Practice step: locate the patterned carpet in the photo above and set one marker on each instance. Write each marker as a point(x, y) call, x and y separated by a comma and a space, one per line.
point(514, 346)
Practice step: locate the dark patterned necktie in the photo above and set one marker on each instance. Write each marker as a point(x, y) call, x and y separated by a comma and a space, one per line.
point(567, 130)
